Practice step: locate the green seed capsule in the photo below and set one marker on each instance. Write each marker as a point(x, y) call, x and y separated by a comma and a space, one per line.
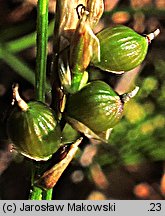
point(34, 131)
point(121, 48)
point(96, 105)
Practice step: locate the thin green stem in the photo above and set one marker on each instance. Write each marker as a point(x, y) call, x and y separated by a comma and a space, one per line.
point(36, 193)
point(42, 39)
point(41, 60)
point(47, 195)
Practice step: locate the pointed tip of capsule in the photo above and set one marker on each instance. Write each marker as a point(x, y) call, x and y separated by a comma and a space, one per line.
point(126, 97)
point(156, 32)
point(16, 98)
point(153, 35)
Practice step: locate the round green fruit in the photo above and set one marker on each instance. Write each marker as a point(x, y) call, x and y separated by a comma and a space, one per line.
point(121, 48)
point(34, 130)
point(96, 105)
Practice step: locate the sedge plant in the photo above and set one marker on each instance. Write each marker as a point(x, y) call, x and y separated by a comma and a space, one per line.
point(91, 108)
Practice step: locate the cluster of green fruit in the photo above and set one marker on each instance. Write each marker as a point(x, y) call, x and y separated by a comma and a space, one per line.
point(34, 128)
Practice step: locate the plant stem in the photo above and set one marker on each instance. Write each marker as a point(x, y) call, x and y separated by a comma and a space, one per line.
point(41, 59)
point(42, 39)
point(36, 194)
point(47, 195)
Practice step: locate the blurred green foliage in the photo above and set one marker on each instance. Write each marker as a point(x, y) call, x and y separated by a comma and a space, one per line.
point(140, 136)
